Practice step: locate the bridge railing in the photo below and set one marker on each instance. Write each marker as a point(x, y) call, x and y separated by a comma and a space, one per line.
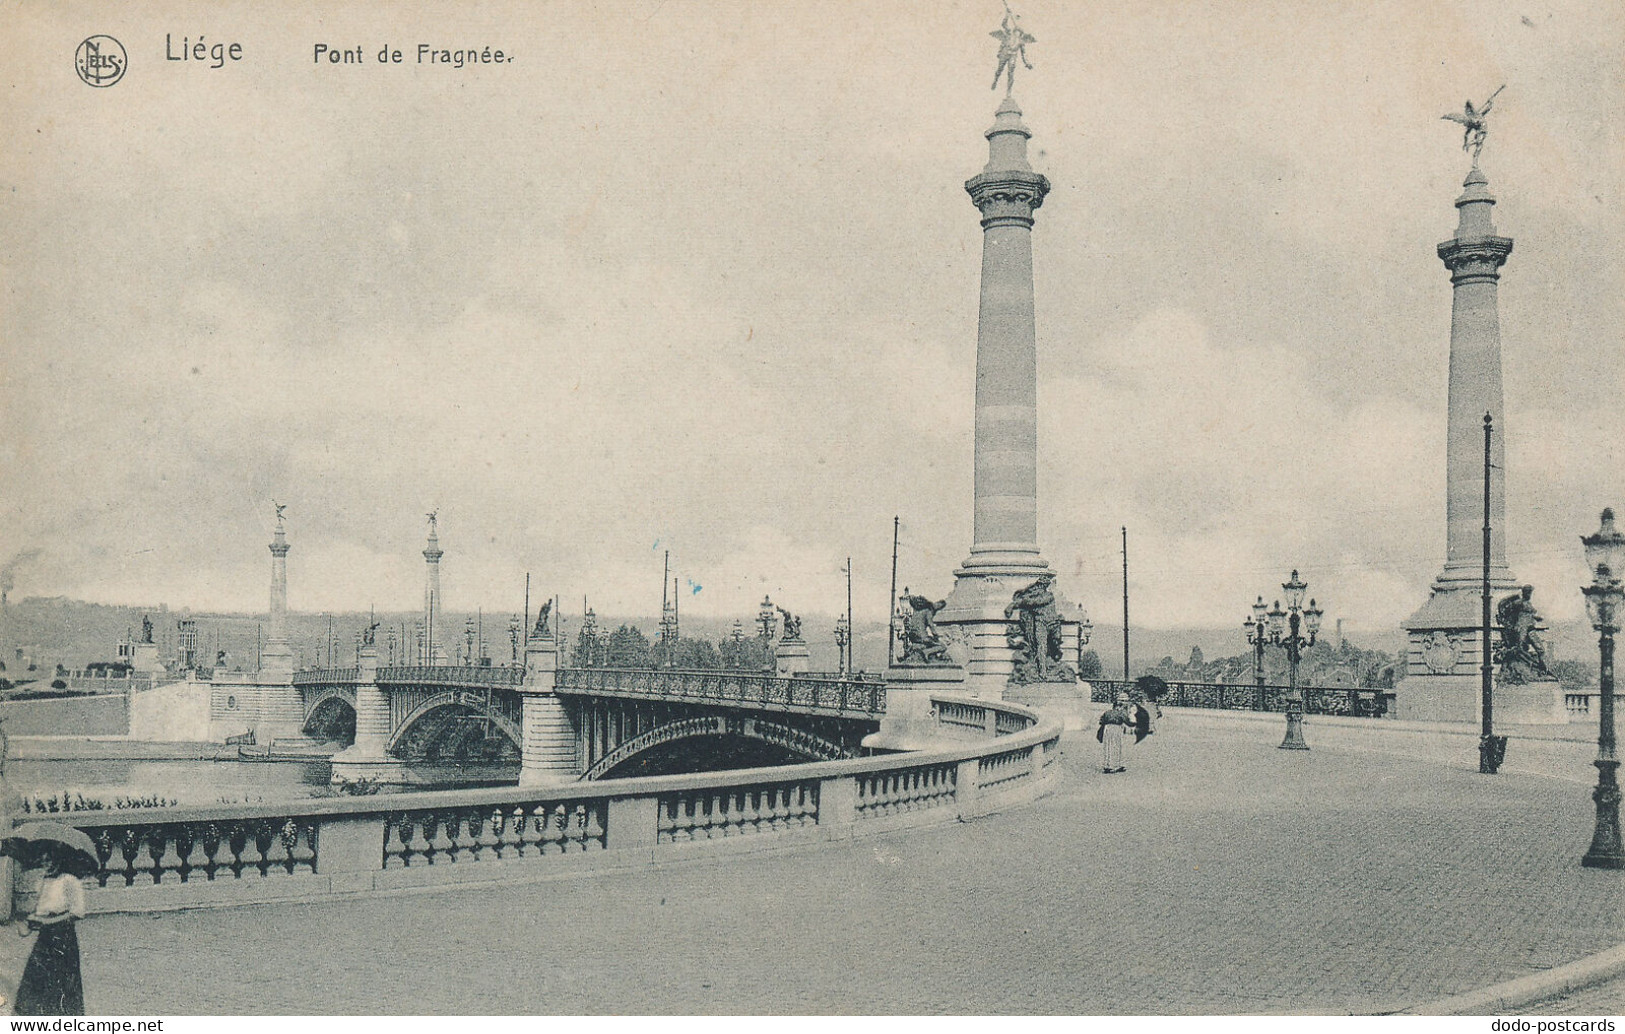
point(845, 698)
point(311, 676)
point(303, 850)
point(419, 674)
point(1353, 702)
point(453, 675)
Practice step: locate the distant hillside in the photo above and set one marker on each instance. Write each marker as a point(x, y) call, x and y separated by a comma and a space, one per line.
point(74, 633)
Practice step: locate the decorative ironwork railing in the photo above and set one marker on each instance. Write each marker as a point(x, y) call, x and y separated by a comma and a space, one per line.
point(462, 676)
point(452, 675)
point(1352, 702)
point(315, 676)
point(846, 698)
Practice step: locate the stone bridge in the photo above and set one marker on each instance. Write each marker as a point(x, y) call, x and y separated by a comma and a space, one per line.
point(565, 724)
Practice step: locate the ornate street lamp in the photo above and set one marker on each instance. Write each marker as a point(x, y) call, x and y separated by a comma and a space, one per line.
point(767, 618)
point(1292, 630)
point(1258, 636)
point(1086, 628)
point(1605, 554)
point(515, 626)
point(843, 636)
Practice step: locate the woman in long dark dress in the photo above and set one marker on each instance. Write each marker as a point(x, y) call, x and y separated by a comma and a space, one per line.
point(51, 984)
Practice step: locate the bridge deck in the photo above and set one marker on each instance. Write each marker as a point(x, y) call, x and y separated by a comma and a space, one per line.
point(840, 698)
point(743, 690)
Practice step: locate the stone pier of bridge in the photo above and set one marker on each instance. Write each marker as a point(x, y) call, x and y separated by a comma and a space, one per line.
point(548, 738)
point(369, 757)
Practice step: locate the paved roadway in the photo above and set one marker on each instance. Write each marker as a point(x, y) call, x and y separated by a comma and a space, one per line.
point(1217, 875)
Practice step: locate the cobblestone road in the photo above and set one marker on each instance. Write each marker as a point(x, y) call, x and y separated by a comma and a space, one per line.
point(1218, 875)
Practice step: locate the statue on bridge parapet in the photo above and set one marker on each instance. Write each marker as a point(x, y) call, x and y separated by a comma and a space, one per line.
point(540, 631)
point(792, 626)
point(146, 629)
point(922, 643)
point(1035, 635)
point(369, 637)
point(1521, 653)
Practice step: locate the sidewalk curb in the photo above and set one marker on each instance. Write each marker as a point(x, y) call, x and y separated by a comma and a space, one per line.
point(1514, 995)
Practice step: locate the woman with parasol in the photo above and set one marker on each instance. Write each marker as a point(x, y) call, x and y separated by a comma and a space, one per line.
point(51, 984)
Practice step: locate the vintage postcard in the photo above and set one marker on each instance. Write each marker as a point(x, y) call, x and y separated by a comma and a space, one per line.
point(817, 507)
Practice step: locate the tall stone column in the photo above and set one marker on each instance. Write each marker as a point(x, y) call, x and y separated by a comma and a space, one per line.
point(276, 657)
point(1474, 257)
point(280, 710)
point(547, 748)
point(1005, 534)
point(432, 617)
point(1442, 674)
point(1004, 555)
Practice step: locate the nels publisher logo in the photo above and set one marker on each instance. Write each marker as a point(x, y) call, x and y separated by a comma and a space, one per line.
point(101, 61)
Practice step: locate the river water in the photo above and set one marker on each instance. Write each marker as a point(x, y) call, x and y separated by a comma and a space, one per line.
point(193, 783)
point(185, 782)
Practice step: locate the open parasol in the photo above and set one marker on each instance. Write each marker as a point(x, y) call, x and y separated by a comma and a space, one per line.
point(1151, 687)
point(73, 850)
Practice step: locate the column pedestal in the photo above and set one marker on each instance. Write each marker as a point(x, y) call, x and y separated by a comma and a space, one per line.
point(791, 658)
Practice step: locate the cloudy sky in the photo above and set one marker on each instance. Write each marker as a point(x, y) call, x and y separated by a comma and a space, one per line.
point(703, 277)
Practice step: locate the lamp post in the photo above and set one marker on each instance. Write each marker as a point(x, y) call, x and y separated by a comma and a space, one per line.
point(1258, 635)
point(767, 619)
point(1086, 628)
point(843, 637)
point(1287, 630)
point(1605, 554)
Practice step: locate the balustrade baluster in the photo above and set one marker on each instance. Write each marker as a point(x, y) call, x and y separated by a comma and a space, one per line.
point(213, 838)
point(592, 828)
point(185, 835)
point(516, 831)
point(451, 825)
point(413, 842)
point(549, 825)
point(303, 851)
point(278, 854)
point(237, 843)
point(492, 823)
point(264, 835)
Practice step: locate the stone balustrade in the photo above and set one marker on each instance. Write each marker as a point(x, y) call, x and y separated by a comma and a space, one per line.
point(303, 850)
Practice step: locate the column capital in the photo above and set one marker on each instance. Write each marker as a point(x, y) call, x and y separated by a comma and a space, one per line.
point(1475, 259)
point(1007, 197)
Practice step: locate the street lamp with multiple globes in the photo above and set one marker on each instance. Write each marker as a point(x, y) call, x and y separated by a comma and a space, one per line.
point(1605, 554)
point(843, 636)
point(1286, 629)
point(1258, 636)
point(1086, 628)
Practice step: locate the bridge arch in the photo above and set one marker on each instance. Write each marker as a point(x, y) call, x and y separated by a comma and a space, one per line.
point(330, 714)
point(798, 742)
point(461, 701)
